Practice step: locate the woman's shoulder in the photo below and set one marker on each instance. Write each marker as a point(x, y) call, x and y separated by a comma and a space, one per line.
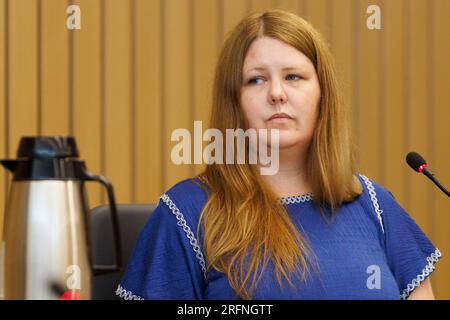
point(186, 198)
point(188, 190)
point(410, 253)
point(379, 200)
point(376, 191)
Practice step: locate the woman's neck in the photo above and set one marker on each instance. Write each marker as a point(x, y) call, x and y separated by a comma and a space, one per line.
point(291, 178)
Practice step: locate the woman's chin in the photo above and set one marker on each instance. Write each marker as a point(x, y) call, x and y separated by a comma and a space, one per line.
point(288, 140)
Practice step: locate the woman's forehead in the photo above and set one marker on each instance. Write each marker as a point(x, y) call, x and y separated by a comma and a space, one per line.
point(267, 53)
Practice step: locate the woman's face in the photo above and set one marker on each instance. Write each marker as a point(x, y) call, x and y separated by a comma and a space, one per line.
point(280, 89)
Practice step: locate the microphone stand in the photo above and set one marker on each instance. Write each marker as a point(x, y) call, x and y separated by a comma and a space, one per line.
point(431, 176)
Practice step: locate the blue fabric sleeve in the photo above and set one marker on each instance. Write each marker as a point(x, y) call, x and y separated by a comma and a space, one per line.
point(411, 255)
point(163, 264)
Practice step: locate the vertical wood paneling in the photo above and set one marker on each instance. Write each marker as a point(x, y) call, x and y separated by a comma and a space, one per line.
point(344, 55)
point(319, 17)
point(176, 91)
point(54, 69)
point(261, 5)
point(22, 115)
point(369, 104)
point(342, 49)
point(132, 87)
point(418, 114)
point(3, 106)
point(441, 137)
point(87, 93)
point(23, 71)
point(394, 117)
point(232, 12)
point(148, 102)
point(118, 98)
point(304, 8)
point(293, 6)
point(205, 42)
point(356, 87)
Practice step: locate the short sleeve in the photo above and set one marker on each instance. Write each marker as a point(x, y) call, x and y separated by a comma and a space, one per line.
point(411, 255)
point(164, 264)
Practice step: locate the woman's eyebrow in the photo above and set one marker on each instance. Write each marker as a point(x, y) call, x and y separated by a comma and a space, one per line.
point(263, 69)
point(255, 69)
point(291, 68)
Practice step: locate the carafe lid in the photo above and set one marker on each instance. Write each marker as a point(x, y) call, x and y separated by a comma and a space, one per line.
point(48, 147)
point(46, 158)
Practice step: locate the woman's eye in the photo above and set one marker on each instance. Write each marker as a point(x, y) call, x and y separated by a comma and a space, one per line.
point(257, 80)
point(292, 77)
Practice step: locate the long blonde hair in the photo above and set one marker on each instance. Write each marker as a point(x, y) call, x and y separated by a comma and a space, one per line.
point(243, 223)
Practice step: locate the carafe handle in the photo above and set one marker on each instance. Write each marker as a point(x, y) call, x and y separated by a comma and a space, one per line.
point(104, 269)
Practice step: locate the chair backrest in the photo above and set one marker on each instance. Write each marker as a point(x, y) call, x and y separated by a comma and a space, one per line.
point(132, 218)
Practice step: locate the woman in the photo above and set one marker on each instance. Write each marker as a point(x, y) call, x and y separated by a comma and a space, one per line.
point(313, 230)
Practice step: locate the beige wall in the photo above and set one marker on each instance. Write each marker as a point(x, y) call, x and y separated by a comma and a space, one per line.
point(139, 69)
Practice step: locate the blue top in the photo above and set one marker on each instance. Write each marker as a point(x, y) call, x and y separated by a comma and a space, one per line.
point(371, 249)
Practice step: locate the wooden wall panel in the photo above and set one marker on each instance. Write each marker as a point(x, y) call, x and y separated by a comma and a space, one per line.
point(3, 109)
point(23, 71)
point(231, 12)
point(369, 103)
point(342, 48)
point(148, 129)
point(418, 115)
point(118, 108)
point(394, 146)
point(293, 6)
point(205, 48)
point(439, 18)
point(23, 107)
point(176, 89)
point(19, 103)
point(88, 92)
point(54, 69)
point(261, 5)
point(318, 15)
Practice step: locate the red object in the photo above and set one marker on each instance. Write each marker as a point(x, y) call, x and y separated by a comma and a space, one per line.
point(70, 295)
point(422, 167)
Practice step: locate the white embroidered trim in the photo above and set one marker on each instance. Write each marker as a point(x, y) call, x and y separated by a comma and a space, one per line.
point(126, 295)
point(190, 235)
point(429, 268)
point(373, 197)
point(297, 199)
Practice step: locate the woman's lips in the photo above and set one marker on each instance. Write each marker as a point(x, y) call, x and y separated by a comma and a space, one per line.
point(280, 117)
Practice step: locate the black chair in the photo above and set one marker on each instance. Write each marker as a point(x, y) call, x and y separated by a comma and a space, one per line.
point(132, 218)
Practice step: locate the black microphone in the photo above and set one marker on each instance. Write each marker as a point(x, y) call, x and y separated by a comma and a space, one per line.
point(419, 164)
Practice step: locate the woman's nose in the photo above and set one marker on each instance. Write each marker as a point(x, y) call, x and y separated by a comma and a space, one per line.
point(277, 93)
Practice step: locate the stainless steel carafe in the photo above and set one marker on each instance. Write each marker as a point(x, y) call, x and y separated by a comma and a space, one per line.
point(47, 245)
